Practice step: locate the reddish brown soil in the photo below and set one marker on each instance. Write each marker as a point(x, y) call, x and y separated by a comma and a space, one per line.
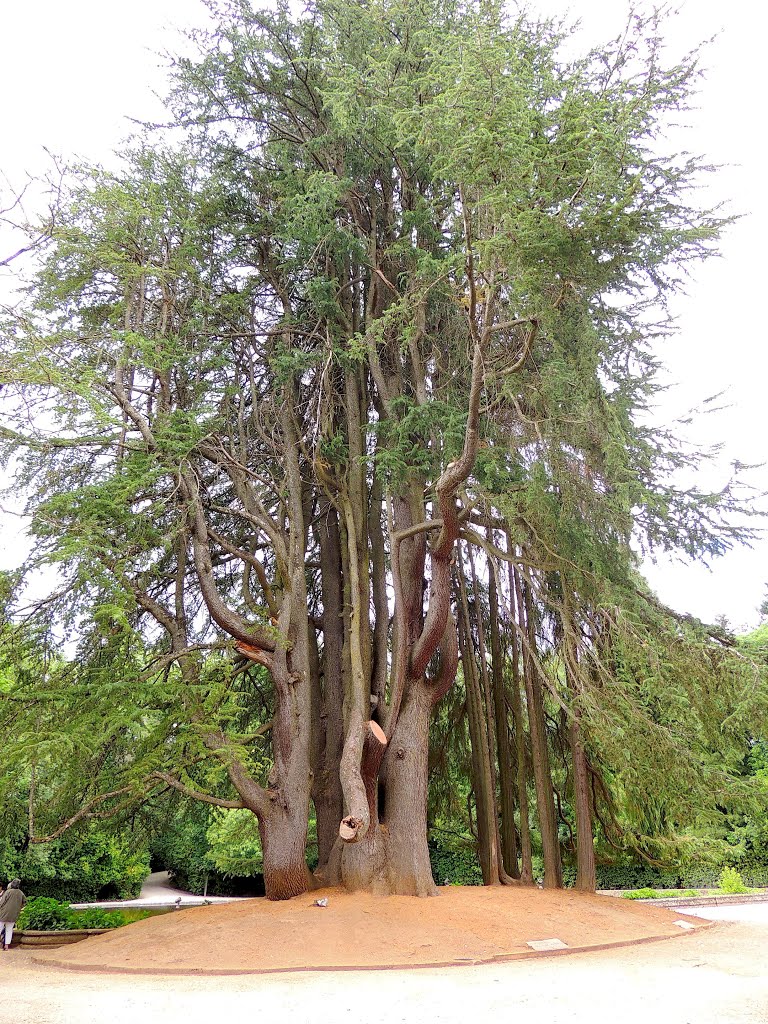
point(461, 925)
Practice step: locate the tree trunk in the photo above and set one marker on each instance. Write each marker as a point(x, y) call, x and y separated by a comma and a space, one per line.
point(526, 857)
point(283, 835)
point(393, 856)
point(585, 844)
point(405, 808)
point(485, 797)
point(545, 801)
point(327, 794)
point(586, 879)
point(505, 754)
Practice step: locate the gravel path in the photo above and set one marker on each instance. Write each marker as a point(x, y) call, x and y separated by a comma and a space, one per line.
point(156, 891)
point(717, 976)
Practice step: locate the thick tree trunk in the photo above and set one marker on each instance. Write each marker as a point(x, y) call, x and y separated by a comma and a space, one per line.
point(283, 835)
point(327, 794)
point(393, 856)
point(405, 810)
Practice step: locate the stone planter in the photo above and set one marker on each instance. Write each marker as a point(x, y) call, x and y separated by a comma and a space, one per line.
point(51, 939)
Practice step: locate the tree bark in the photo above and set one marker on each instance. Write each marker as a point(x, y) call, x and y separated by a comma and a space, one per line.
point(586, 880)
point(485, 801)
point(405, 814)
point(526, 857)
point(545, 800)
point(283, 833)
point(505, 753)
point(327, 793)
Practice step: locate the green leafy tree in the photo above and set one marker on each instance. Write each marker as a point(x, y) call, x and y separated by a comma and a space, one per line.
point(391, 305)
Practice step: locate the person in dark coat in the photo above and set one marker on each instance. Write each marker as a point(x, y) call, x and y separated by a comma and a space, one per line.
point(11, 902)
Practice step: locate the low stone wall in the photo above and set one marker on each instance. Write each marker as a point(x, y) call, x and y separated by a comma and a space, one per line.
point(48, 940)
point(705, 901)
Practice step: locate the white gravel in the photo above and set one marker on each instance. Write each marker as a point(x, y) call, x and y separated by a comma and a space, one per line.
point(717, 976)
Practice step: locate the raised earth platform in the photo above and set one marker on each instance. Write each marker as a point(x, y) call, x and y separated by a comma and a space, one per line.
point(463, 925)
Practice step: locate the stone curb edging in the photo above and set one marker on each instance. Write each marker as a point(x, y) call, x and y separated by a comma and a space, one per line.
point(51, 939)
point(705, 901)
point(498, 958)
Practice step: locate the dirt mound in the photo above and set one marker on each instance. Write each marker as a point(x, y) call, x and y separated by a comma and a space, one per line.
point(462, 925)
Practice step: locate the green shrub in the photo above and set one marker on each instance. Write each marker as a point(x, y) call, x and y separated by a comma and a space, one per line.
point(731, 881)
point(659, 894)
point(636, 876)
point(455, 867)
point(79, 868)
point(96, 918)
point(641, 894)
point(44, 914)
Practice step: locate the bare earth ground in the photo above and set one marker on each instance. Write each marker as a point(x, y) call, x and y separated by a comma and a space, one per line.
point(715, 975)
point(462, 925)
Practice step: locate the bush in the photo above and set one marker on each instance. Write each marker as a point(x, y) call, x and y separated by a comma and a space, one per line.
point(455, 867)
point(731, 881)
point(636, 876)
point(44, 914)
point(688, 876)
point(659, 894)
point(96, 918)
point(79, 868)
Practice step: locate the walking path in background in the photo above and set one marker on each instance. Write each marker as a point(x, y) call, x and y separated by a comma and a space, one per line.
point(158, 892)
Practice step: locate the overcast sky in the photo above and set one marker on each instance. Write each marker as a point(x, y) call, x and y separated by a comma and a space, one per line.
point(73, 72)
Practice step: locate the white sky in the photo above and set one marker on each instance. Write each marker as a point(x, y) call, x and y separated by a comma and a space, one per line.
point(73, 71)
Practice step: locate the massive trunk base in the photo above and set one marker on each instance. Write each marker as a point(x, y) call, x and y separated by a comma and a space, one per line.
point(392, 859)
point(283, 844)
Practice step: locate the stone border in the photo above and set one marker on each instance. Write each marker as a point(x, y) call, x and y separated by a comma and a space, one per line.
point(705, 901)
point(53, 938)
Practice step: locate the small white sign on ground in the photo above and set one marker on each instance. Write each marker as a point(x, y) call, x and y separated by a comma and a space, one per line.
point(684, 924)
point(540, 945)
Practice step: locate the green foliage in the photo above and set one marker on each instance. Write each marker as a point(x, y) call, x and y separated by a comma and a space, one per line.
point(44, 914)
point(642, 894)
point(283, 312)
point(79, 867)
point(455, 866)
point(195, 847)
point(234, 845)
point(659, 894)
point(632, 877)
point(635, 876)
point(94, 917)
point(731, 881)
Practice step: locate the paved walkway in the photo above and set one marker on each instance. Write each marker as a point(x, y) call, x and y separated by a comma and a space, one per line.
point(717, 976)
point(748, 913)
point(158, 892)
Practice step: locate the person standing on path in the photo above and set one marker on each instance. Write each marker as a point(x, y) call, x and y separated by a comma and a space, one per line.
point(11, 902)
